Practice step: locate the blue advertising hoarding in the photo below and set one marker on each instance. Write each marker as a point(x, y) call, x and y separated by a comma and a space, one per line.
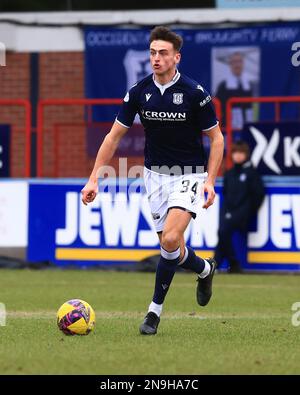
point(115, 59)
point(117, 227)
point(274, 147)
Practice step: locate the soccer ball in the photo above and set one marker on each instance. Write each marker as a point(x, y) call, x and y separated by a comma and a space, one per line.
point(76, 317)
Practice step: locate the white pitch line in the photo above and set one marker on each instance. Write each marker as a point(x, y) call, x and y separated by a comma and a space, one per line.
point(167, 316)
point(241, 286)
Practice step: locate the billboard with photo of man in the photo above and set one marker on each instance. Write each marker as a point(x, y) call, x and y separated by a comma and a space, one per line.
point(236, 61)
point(236, 73)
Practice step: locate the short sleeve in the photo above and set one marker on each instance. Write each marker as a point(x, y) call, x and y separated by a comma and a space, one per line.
point(205, 111)
point(128, 109)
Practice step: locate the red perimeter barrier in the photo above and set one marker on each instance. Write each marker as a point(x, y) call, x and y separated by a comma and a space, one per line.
point(63, 102)
point(75, 102)
point(58, 130)
point(276, 100)
point(27, 107)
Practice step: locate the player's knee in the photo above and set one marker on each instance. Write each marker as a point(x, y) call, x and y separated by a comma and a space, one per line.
point(170, 240)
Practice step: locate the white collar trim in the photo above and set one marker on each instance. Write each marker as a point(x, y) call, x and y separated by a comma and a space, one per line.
point(162, 88)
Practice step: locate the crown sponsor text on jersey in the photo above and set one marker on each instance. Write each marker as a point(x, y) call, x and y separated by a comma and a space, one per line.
point(162, 115)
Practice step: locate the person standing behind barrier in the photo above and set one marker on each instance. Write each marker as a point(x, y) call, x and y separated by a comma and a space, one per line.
point(243, 194)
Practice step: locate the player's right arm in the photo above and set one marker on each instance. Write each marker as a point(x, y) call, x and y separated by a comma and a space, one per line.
point(209, 125)
point(104, 155)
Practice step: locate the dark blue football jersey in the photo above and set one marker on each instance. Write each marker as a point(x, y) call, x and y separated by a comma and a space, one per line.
point(173, 116)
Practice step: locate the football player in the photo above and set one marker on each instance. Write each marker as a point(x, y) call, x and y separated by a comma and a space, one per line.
point(174, 111)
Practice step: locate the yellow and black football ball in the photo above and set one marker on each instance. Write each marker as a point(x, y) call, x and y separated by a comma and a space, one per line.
point(76, 317)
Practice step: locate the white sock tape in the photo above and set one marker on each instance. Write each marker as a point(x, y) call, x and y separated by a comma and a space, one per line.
point(170, 255)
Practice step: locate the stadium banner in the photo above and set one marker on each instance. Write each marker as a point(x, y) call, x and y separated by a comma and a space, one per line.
point(257, 3)
point(117, 227)
point(275, 147)
point(4, 150)
point(236, 61)
point(13, 213)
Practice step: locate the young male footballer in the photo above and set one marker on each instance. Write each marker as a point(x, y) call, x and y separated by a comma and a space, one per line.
point(174, 111)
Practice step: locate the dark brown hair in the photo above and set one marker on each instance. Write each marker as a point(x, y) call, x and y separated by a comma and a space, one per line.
point(240, 146)
point(165, 34)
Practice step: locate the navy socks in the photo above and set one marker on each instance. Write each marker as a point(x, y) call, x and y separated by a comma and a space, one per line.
point(164, 274)
point(191, 261)
point(166, 269)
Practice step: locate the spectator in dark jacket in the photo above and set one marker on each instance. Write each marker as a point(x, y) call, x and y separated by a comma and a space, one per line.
point(243, 194)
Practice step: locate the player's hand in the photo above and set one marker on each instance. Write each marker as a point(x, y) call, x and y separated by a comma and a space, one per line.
point(89, 192)
point(208, 189)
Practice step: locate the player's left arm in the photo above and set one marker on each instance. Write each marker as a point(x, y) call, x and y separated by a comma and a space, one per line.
point(215, 159)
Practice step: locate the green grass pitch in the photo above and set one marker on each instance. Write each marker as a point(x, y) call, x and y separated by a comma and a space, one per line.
point(246, 328)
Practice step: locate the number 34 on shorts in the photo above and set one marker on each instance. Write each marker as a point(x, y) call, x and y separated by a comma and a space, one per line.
point(165, 192)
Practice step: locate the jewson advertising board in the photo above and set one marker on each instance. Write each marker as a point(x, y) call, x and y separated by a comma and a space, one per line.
point(117, 228)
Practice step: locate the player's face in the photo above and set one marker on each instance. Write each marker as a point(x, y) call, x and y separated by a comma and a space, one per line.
point(163, 57)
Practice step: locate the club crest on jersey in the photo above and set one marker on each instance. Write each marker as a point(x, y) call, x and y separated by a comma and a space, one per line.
point(177, 98)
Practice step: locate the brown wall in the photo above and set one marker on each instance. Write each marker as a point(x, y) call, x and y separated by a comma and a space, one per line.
point(14, 84)
point(61, 75)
